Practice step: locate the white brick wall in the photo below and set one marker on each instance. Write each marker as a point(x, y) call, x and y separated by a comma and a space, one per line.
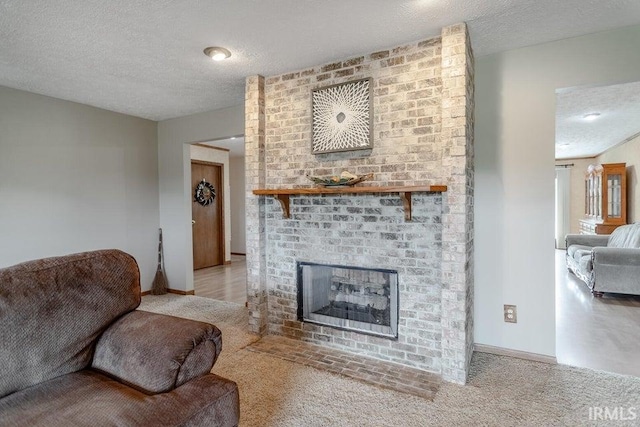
point(365, 231)
point(254, 207)
point(406, 122)
point(422, 124)
point(457, 233)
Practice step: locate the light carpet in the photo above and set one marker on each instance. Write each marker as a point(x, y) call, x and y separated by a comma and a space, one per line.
point(501, 390)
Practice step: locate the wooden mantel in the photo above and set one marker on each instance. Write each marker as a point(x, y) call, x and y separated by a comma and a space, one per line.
point(282, 194)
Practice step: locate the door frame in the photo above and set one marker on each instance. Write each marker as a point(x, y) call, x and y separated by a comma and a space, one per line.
point(562, 204)
point(221, 234)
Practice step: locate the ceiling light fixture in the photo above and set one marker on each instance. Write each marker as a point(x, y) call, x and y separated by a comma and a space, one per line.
point(591, 116)
point(217, 53)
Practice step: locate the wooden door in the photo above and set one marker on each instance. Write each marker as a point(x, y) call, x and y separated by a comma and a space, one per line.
point(208, 228)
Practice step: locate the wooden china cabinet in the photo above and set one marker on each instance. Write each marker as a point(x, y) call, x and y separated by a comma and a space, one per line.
point(605, 201)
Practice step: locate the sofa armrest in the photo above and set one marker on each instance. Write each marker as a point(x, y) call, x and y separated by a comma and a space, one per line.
point(616, 270)
point(616, 256)
point(155, 353)
point(587, 239)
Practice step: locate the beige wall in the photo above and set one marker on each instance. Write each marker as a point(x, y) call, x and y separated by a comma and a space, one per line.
point(576, 189)
point(76, 178)
point(218, 156)
point(628, 153)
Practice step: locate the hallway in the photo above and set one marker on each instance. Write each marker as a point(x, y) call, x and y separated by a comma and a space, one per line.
point(223, 282)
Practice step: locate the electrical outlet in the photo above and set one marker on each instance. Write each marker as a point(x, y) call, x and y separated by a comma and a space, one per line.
point(510, 313)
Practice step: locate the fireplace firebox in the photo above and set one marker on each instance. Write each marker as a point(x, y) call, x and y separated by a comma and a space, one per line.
point(353, 298)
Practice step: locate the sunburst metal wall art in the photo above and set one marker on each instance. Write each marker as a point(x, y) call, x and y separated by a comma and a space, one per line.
point(342, 117)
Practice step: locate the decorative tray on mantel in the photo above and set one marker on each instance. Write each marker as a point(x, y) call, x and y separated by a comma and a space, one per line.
point(345, 179)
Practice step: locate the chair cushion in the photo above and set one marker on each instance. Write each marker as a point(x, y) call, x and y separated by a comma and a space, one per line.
point(53, 310)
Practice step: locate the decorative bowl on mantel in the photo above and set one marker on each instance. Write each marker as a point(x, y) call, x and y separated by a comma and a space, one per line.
point(345, 179)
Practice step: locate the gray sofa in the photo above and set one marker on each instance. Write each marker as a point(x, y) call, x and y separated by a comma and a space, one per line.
point(607, 263)
point(75, 352)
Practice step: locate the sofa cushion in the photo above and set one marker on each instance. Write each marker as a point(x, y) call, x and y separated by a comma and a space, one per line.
point(582, 253)
point(57, 307)
point(627, 236)
point(88, 398)
point(577, 251)
point(585, 263)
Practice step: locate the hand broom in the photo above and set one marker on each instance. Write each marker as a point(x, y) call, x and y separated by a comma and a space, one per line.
point(159, 285)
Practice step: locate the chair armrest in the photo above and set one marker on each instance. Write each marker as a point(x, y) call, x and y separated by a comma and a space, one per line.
point(587, 239)
point(616, 256)
point(155, 353)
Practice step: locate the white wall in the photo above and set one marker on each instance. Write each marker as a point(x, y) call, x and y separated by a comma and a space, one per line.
point(75, 178)
point(238, 229)
point(214, 155)
point(514, 195)
point(174, 135)
point(628, 153)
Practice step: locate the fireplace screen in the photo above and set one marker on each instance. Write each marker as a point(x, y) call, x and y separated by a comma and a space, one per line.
point(354, 298)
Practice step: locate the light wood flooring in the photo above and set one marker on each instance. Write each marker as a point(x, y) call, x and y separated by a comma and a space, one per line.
point(223, 282)
point(597, 333)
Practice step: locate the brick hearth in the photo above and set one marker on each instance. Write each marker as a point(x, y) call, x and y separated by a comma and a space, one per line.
point(365, 369)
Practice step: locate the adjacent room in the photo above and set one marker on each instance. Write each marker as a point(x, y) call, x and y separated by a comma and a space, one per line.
point(325, 213)
point(597, 154)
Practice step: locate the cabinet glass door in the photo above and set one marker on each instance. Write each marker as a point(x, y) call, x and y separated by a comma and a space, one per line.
point(586, 197)
point(592, 196)
point(614, 196)
point(599, 196)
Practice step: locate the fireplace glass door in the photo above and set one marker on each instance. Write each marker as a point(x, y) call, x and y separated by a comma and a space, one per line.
point(353, 298)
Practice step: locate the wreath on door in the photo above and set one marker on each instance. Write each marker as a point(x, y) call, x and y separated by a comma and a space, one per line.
point(204, 193)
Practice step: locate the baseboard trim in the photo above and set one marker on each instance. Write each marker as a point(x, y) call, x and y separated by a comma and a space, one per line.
point(172, 291)
point(238, 253)
point(500, 351)
point(181, 292)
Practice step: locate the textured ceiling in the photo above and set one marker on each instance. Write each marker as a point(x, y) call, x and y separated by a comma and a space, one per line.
point(144, 57)
point(619, 108)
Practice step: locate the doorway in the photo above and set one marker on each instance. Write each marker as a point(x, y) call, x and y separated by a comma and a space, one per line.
point(207, 214)
point(593, 126)
point(225, 279)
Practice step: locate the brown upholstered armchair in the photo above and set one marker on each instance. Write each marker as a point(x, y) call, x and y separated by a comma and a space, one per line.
point(76, 352)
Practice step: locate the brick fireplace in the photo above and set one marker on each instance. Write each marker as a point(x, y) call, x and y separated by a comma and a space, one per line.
point(423, 134)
